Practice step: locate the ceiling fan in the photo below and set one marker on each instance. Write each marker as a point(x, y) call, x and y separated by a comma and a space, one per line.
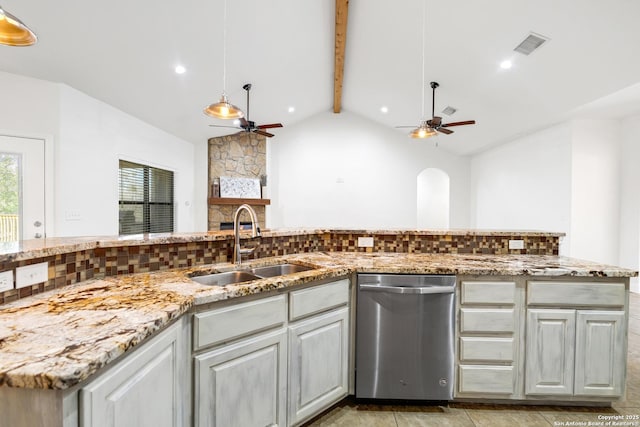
point(429, 127)
point(249, 126)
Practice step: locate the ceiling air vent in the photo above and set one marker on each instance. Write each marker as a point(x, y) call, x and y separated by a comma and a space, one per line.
point(531, 43)
point(449, 110)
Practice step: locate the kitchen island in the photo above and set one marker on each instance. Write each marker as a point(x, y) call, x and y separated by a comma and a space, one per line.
point(55, 344)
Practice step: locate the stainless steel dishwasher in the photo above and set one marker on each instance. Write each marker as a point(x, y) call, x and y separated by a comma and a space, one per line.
point(405, 337)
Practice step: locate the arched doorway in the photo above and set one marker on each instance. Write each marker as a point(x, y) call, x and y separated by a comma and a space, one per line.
point(433, 199)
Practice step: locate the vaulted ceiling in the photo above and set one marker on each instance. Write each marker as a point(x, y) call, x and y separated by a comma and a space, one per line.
point(124, 53)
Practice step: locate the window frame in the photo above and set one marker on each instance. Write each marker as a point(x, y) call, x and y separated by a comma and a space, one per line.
point(146, 203)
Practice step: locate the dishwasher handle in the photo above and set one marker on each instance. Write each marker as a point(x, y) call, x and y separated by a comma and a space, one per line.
point(377, 287)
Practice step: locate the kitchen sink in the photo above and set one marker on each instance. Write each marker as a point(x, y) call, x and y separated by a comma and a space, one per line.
point(240, 276)
point(279, 270)
point(226, 278)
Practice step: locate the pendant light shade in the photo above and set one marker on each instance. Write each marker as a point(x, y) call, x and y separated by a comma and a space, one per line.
point(223, 109)
point(423, 131)
point(13, 32)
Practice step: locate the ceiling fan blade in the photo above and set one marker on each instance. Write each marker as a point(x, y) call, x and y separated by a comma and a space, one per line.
point(444, 130)
point(435, 121)
point(223, 126)
point(468, 122)
point(260, 132)
point(243, 122)
point(270, 125)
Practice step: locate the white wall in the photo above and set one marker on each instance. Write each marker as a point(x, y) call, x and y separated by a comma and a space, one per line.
point(629, 247)
point(566, 178)
point(88, 137)
point(433, 199)
point(595, 201)
point(525, 184)
point(28, 106)
point(93, 137)
point(342, 170)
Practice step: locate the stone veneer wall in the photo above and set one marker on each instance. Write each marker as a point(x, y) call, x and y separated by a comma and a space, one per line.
point(74, 267)
point(242, 155)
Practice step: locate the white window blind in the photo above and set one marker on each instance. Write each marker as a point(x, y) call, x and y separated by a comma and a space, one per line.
point(146, 199)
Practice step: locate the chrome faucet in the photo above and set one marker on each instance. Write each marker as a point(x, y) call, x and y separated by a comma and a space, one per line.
point(255, 232)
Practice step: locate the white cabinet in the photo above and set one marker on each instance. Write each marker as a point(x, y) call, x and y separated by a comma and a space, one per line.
point(575, 351)
point(600, 353)
point(272, 361)
point(318, 349)
point(489, 330)
point(550, 351)
point(243, 384)
point(318, 364)
point(149, 388)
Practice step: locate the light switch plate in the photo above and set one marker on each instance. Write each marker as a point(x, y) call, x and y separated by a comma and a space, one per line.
point(32, 274)
point(6, 280)
point(516, 244)
point(365, 242)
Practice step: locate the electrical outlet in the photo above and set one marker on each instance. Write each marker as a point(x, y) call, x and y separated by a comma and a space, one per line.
point(516, 244)
point(6, 281)
point(32, 274)
point(365, 242)
point(72, 215)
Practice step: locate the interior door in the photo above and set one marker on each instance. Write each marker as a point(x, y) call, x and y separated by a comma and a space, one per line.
point(25, 158)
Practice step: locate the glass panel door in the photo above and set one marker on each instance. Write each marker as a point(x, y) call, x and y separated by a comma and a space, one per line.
point(22, 197)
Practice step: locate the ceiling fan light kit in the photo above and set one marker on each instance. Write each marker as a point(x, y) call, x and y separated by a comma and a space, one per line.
point(13, 32)
point(423, 131)
point(246, 124)
point(433, 126)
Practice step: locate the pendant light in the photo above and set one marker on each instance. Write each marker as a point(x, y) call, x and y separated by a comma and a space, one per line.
point(13, 32)
point(223, 109)
point(423, 130)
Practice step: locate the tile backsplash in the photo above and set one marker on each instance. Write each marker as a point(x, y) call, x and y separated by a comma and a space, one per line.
point(77, 266)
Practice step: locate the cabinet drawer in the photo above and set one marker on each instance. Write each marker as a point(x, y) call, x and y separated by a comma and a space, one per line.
point(486, 379)
point(488, 293)
point(576, 293)
point(486, 349)
point(487, 320)
point(228, 323)
point(320, 298)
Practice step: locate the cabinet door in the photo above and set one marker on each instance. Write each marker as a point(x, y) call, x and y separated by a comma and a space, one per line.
point(244, 384)
point(600, 353)
point(147, 389)
point(550, 351)
point(318, 364)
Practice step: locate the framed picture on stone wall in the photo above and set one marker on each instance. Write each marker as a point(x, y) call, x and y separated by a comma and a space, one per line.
point(241, 188)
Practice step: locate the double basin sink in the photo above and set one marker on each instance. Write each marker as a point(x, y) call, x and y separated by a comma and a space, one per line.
point(240, 276)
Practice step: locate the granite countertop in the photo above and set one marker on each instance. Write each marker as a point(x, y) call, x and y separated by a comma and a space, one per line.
point(58, 339)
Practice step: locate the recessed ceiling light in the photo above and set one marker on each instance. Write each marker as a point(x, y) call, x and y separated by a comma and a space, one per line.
point(506, 64)
point(180, 69)
point(384, 109)
point(291, 109)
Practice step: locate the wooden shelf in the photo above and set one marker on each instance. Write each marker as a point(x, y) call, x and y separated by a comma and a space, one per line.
point(233, 201)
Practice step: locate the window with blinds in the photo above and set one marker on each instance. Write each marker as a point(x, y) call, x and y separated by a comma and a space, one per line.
point(146, 199)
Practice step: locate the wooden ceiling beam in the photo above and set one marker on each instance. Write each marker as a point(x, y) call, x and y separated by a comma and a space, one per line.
point(342, 8)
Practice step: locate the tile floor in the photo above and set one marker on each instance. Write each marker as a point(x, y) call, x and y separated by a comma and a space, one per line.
point(350, 413)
